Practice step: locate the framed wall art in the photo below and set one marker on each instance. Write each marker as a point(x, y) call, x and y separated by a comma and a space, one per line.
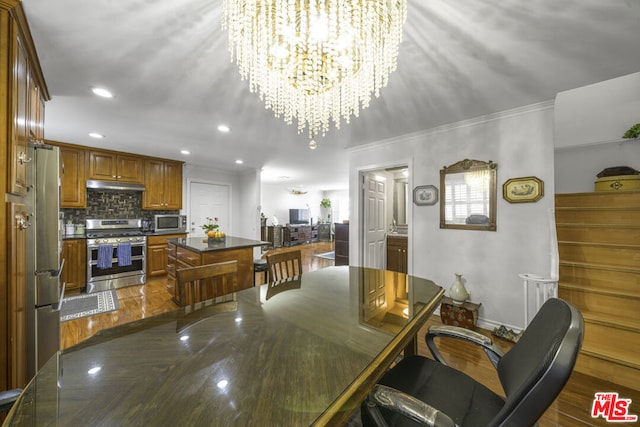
point(425, 195)
point(523, 190)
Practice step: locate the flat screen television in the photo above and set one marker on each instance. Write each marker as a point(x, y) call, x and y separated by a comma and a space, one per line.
point(298, 216)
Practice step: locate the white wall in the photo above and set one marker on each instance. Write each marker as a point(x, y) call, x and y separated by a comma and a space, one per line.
point(589, 124)
point(249, 205)
point(340, 204)
point(276, 201)
point(520, 141)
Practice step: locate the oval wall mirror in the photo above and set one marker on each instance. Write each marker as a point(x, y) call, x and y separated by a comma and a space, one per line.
point(468, 195)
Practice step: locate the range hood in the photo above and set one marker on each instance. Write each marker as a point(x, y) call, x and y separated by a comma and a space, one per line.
point(93, 184)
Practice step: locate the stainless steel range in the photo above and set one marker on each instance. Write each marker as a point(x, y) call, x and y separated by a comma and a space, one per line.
point(116, 253)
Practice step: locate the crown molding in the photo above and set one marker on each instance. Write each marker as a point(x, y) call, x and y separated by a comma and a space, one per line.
point(8, 4)
point(420, 135)
point(15, 9)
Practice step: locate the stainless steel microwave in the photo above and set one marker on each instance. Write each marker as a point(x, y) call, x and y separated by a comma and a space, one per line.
point(170, 223)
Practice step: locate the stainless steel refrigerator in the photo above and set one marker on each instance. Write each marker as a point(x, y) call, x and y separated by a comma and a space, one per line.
point(44, 290)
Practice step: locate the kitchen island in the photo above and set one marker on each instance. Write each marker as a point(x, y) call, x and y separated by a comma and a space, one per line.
point(194, 251)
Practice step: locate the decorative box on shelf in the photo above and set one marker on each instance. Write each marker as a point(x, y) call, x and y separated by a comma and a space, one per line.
point(464, 315)
point(618, 183)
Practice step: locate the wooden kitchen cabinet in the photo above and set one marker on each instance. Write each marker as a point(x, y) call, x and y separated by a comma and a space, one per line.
point(28, 107)
point(397, 259)
point(35, 125)
point(17, 156)
point(163, 184)
point(73, 192)
point(158, 262)
point(17, 294)
point(74, 273)
point(22, 95)
point(112, 166)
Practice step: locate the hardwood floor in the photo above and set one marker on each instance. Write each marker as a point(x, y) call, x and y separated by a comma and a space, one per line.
point(571, 409)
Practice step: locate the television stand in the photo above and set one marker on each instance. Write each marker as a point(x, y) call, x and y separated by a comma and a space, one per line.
point(296, 234)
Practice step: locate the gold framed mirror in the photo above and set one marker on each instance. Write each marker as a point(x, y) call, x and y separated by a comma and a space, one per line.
point(468, 191)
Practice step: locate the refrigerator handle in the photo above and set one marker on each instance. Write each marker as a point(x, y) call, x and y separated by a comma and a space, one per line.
point(59, 272)
point(58, 306)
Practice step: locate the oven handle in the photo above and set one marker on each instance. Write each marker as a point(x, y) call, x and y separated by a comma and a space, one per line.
point(115, 260)
point(115, 245)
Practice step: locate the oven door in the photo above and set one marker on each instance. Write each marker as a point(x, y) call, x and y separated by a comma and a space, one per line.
point(116, 276)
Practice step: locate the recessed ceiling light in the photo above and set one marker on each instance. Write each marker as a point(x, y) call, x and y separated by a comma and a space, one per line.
point(185, 152)
point(102, 92)
point(224, 128)
point(239, 162)
point(96, 135)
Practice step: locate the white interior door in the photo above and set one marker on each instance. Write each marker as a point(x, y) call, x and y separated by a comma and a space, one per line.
point(375, 220)
point(208, 200)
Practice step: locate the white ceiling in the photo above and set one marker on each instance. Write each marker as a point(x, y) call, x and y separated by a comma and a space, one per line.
point(168, 65)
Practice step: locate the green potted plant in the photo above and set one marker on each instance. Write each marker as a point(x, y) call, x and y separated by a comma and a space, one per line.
point(325, 205)
point(633, 132)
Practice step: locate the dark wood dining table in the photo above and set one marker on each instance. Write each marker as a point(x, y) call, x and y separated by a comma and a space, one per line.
point(303, 351)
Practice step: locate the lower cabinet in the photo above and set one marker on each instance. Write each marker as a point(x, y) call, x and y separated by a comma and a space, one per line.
point(397, 259)
point(158, 254)
point(16, 296)
point(180, 257)
point(342, 244)
point(324, 232)
point(298, 234)
point(74, 272)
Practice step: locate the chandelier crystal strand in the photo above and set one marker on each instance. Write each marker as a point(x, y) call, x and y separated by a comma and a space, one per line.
point(315, 61)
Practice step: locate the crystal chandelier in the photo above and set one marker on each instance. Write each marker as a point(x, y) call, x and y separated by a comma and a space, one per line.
point(315, 60)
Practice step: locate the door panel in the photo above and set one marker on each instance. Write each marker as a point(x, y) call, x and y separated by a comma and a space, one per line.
point(209, 200)
point(375, 219)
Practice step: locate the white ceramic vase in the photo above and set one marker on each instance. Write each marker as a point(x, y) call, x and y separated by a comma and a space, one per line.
point(458, 293)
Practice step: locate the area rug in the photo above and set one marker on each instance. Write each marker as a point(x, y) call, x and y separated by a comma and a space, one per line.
point(84, 305)
point(327, 255)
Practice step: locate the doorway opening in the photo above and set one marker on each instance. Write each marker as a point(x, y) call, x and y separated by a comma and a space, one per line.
point(385, 210)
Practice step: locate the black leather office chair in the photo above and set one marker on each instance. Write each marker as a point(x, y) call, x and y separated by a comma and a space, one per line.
point(8, 398)
point(421, 391)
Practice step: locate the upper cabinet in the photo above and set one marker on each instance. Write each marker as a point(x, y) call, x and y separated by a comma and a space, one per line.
point(25, 106)
point(35, 125)
point(162, 178)
point(109, 166)
point(73, 185)
point(163, 184)
point(18, 158)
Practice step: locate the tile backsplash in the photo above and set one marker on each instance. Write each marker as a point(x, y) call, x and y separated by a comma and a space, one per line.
point(112, 205)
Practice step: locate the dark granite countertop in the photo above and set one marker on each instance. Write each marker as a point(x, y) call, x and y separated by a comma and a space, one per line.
point(73, 236)
point(163, 233)
point(201, 244)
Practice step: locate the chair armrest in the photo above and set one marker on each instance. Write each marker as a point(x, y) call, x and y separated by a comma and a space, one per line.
point(446, 331)
point(8, 398)
point(408, 406)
